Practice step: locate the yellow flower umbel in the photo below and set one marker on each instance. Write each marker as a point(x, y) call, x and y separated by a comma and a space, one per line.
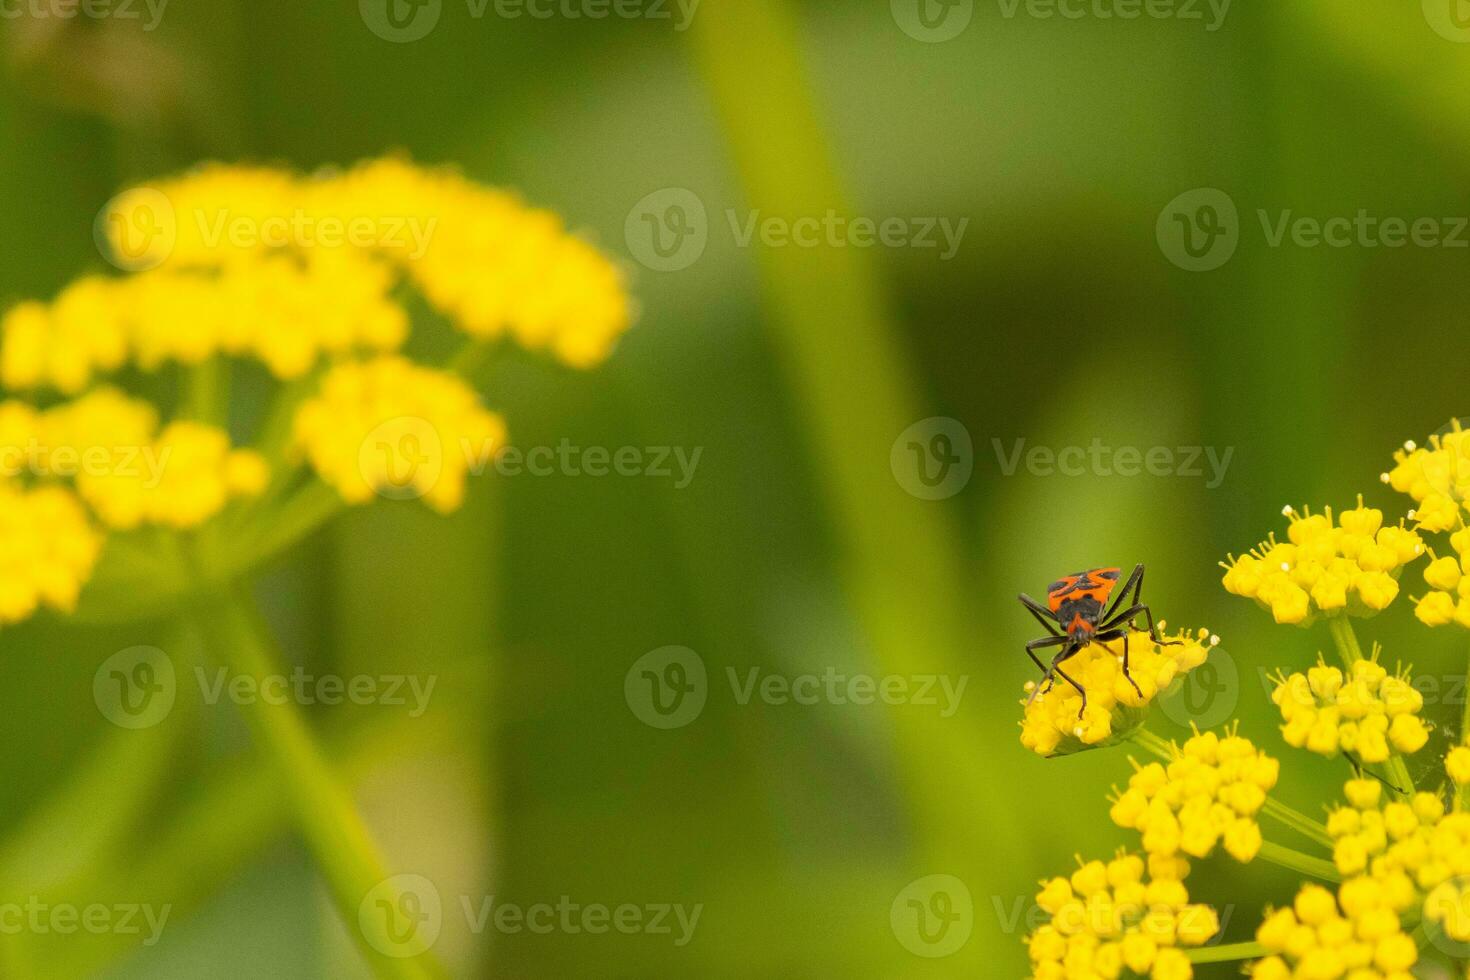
point(387, 424)
point(1349, 566)
point(1437, 477)
point(1366, 713)
point(305, 283)
point(1107, 918)
point(1054, 722)
point(1208, 795)
point(1352, 934)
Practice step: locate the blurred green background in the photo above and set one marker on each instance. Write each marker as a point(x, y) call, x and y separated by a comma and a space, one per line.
point(1060, 319)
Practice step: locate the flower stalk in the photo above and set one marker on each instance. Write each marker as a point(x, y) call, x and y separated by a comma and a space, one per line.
point(335, 832)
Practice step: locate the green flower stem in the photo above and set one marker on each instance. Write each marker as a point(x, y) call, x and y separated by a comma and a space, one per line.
point(1395, 771)
point(825, 300)
point(1294, 860)
point(1286, 815)
point(1226, 953)
point(1298, 821)
point(233, 817)
point(206, 391)
point(1346, 640)
point(338, 838)
point(1156, 744)
point(265, 538)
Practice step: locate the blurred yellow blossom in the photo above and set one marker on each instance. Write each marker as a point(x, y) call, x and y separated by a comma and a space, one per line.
point(1208, 795)
point(1349, 566)
point(227, 269)
point(389, 425)
point(1054, 722)
point(47, 550)
point(1122, 914)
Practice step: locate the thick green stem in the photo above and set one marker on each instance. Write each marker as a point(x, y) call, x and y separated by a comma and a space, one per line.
point(326, 814)
point(822, 301)
point(1225, 953)
point(1298, 821)
point(1347, 640)
point(206, 391)
point(1298, 862)
point(1395, 772)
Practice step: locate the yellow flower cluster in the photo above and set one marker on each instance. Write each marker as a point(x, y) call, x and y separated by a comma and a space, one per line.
point(478, 255)
point(1437, 477)
point(47, 550)
point(1054, 721)
point(1353, 934)
point(1119, 915)
point(1352, 565)
point(127, 471)
point(286, 311)
point(1404, 847)
point(391, 427)
point(1366, 713)
point(1208, 795)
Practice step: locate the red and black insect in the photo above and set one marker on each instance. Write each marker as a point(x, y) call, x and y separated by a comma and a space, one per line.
point(1078, 603)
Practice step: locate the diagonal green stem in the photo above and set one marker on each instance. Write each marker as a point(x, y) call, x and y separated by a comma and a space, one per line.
point(1226, 953)
point(821, 302)
point(1294, 860)
point(1348, 649)
point(335, 832)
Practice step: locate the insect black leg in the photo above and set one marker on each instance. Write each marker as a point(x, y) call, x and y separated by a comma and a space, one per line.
point(1127, 616)
point(1056, 668)
point(1134, 584)
point(1123, 635)
point(1043, 615)
point(1031, 648)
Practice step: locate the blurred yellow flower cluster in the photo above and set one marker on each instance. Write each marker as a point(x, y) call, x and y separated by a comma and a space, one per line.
point(1349, 566)
point(1209, 794)
point(110, 448)
point(285, 311)
point(1119, 915)
point(1352, 934)
point(47, 550)
point(229, 269)
point(1367, 712)
point(1055, 722)
point(478, 255)
point(388, 425)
